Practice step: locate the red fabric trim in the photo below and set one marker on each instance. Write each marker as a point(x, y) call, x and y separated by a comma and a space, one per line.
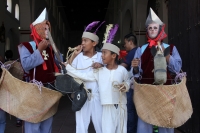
point(34, 35)
point(122, 54)
point(28, 46)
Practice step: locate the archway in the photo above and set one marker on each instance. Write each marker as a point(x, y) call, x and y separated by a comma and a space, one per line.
point(17, 11)
point(9, 4)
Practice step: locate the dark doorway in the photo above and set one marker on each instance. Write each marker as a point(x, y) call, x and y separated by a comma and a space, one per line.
point(184, 33)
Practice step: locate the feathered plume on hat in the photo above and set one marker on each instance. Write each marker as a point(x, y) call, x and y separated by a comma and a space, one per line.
point(109, 37)
point(90, 35)
point(91, 25)
point(112, 33)
point(106, 34)
point(99, 27)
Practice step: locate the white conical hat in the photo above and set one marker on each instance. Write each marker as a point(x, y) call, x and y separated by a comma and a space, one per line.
point(43, 16)
point(152, 17)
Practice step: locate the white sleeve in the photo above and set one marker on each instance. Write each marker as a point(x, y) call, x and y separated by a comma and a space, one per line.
point(89, 76)
point(74, 62)
point(126, 80)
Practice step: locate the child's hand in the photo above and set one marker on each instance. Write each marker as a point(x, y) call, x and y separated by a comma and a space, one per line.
point(135, 62)
point(97, 65)
point(122, 88)
point(64, 63)
point(78, 49)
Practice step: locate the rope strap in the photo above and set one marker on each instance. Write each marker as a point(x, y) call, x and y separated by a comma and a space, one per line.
point(7, 66)
point(179, 76)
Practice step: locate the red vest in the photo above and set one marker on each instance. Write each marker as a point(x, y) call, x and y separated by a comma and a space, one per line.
point(147, 66)
point(43, 75)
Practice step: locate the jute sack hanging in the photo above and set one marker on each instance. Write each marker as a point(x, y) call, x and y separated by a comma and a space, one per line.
point(163, 105)
point(15, 69)
point(25, 101)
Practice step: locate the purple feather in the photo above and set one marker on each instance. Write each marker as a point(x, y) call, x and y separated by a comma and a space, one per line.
point(91, 25)
point(112, 34)
point(98, 27)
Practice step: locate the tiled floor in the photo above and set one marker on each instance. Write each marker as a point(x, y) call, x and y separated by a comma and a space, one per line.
point(64, 120)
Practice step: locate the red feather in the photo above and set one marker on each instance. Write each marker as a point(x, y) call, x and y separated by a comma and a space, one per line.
point(122, 54)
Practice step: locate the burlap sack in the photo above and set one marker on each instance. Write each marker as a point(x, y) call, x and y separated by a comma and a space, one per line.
point(163, 105)
point(25, 101)
point(15, 69)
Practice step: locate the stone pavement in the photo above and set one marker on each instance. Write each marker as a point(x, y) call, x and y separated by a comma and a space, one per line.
point(64, 120)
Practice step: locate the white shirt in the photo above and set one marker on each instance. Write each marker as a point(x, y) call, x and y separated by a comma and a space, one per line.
point(81, 62)
point(105, 79)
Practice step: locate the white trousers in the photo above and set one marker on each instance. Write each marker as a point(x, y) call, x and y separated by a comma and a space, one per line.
point(114, 120)
point(91, 110)
point(41, 127)
point(144, 127)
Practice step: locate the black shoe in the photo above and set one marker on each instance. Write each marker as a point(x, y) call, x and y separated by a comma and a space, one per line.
point(19, 123)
